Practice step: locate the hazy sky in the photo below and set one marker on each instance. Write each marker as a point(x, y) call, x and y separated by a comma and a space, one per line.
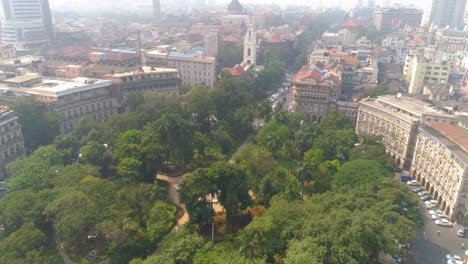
point(88, 4)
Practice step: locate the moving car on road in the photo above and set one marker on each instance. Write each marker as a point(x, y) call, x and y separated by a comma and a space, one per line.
point(461, 232)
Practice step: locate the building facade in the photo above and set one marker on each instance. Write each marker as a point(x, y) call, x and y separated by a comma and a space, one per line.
point(69, 99)
point(156, 10)
point(420, 69)
point(147, 79)
point(440, 164)
point(396, 119)
point(27, 24)
point(195, 67)
point(11, 139)
point(444, 13)
point(7, 52)
point(394, 18)
point(315, 90)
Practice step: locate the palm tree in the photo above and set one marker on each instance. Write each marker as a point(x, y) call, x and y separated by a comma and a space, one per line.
point(305, 174)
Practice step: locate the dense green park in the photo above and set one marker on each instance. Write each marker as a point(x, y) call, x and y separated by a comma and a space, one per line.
point(300, 192)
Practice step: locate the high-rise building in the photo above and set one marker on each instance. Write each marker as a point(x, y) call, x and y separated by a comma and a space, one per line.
point(444, 13)
point(394, 18)
point(156, 10)
point(27, 23)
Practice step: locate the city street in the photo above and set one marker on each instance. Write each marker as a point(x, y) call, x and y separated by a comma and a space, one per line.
point(429, 248)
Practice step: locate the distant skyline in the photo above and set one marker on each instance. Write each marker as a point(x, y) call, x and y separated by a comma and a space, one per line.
point(116, 4)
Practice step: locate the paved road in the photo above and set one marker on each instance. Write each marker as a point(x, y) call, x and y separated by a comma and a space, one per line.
point(429, 248)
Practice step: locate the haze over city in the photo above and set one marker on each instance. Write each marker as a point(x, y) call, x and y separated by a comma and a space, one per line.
point(235, 131)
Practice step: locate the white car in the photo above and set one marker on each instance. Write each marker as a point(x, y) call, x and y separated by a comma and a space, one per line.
point(455, 257)
point(412, 183)
point(423, 193)
point(443, 222)
point(454, 261)
point(431, 207)
point(435, 217)
point(442, 216)
point(431, 202)
point(436, 211)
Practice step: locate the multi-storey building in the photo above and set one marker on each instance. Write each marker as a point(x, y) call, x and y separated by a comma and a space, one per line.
point(11, 139)
point(195, 67)
point(7, 52)
point(315, 90)
point(147, 79)
point(339, 39)
point(440, 164)
point(444, 13)
point(27, 24)
point(394, 18)
point(70, 99)
point(396, 119)
point(420, 69)
point(452, 40)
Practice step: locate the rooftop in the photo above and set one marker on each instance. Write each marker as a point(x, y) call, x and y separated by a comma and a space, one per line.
point(58, 87)
point(411, 105)
point(453, 137)
point(143, 70)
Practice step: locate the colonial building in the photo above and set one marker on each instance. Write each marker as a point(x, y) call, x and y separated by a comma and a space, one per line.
point(440, 164)
point(11, 139)
point(195, 67)
point(147, 79)
point(70, 99)
point(315, 90)
point(396, 119)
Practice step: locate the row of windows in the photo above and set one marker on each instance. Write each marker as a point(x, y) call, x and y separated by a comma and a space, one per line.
point(87, 109)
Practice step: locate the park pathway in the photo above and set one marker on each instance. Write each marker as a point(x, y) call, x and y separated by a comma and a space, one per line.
point(174, 197)
point(63, 254)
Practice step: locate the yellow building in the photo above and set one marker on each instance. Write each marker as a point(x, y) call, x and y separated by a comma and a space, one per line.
point(420, 69)
point(396, 119)
point(440, 164)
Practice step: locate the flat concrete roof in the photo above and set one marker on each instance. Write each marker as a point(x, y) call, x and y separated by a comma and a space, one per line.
point(144, 70)
point(59, 87)
point(23, 78)
point(412, 105)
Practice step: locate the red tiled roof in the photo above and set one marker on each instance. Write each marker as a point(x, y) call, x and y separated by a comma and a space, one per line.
point(317, 73)
point(232, 38)
point(334, 53)
point(351, 23)
point(349, 61)
point(455, 133)
point(235, 71)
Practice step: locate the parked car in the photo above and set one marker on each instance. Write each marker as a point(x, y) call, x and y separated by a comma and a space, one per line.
point(423, 193)
point(454, 261)
point(435, 212)
point(417, 189)
point(426, 197)
point(412, 183)
point(461, 232)
point(432, 207)
point(405, 178)
point(453, 256)
point(443, 222)
point(442, 216)
point(2, 186)
point(430, 202)
point(435, 217)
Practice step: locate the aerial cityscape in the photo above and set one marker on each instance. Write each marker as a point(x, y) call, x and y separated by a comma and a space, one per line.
point(231, 132)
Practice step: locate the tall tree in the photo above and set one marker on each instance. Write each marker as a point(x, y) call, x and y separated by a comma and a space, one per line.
point(39, 127)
